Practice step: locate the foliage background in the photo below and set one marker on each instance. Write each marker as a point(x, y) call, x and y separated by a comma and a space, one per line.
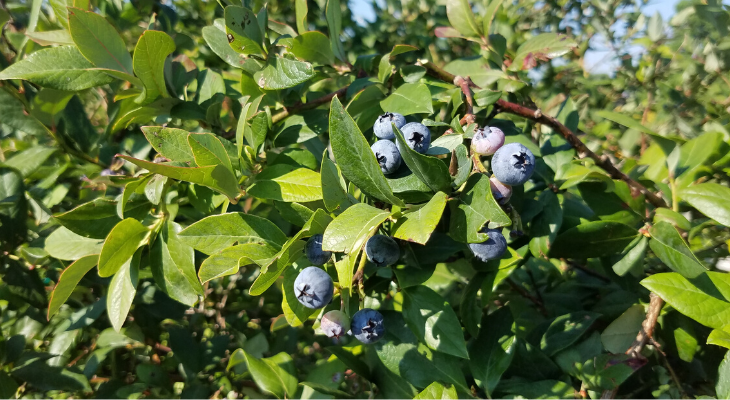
point(552, 319)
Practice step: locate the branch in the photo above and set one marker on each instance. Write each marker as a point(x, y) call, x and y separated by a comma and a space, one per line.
point(308, 106)
point(643, 337)
point(570, 136)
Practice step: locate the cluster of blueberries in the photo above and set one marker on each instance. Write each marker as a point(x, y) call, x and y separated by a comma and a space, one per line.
point(314, 288)
point(512, 164)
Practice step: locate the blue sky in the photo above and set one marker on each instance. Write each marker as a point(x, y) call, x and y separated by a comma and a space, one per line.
point(599, 60)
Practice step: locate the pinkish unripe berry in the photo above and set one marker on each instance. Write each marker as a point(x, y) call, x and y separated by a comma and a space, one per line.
point(335, 324)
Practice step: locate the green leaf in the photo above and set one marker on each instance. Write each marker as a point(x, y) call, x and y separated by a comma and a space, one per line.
point(438, 391)
point(212, 234)
point(282, 73)
point(491, 353)
point(709, 199)
point(345, 269)
point(313, 47)
point(285, 183)
point(445, 144)
point(29, 160)
point(669, 246)
point(719, 337)
point(404, 358)
point(120, 245)
point(634, 258)
point(544, 46)
point(301, 10)
point(122, 290)
point(432, 171)
point(99, 42)
point(490, 11)
point(349, 230)
point(334, 189)
point(173, 266)
point(171, 143)
point(228, 261)
point(272, 269)
point(462, 18)
point(208, 150)
point(157, 110)
point(620, 334)
point(216, 177)
point(94, 219)
point(699, 299)
point(722, 388)
point(66, 245)
point(475, 208)
point(566, 330)
point(294, 311)
point(593, 239)
point(545, 226)
point(334, 25)
point(16, 116)
point(242, 26)
point(433, 321)
point(150, 53)
point(67, 281)
point(464, 165)
point(417, 224)
point(670, 216)
point(61, 68)
point(354, 157)
point(625, 121)
point(13, 207)
point(255, 130)
point(409, 98)
point(272, 375)
point(218, 42)
point(655, 30)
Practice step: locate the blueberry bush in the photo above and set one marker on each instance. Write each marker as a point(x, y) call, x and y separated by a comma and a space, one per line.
point(240, 199)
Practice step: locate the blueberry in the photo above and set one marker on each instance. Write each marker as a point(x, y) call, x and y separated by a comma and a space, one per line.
point(513, 164)
point(313, 287)
point(367, 326)
point(487, 140)
point(417, 136)
point(500, 191)
point(382, 250)
point(383, 128)
point(492, 248)
point(335, 324)
point(314, 252)
point(387, 154)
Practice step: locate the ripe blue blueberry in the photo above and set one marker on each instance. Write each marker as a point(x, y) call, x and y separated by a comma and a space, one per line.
point(500, 191)
point(513, 164)
point(383, 128)
point(487, 140)
point(492, 248)
point(313, 250)
point(367, 326)
point(387, 154)
point(417, 136)
point(335, 324)
point(382, 251)
point(313, 287)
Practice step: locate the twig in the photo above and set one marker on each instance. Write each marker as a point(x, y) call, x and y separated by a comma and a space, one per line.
point(643, 337)
point(464, 84)
point(570, 136)
point(647, 327)
point(524, 293)
point(589, 271)
point(308, 106)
